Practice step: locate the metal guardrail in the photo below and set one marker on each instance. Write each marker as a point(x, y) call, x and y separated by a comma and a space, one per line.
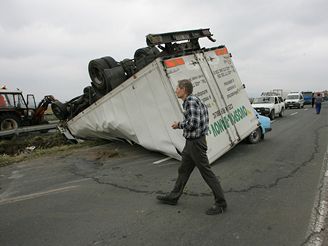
point(26, 129)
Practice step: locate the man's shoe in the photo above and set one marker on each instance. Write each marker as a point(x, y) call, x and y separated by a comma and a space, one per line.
point(167, 199)
point(216, 209)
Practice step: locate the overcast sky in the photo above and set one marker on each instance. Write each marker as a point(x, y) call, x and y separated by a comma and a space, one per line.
point(45, 46)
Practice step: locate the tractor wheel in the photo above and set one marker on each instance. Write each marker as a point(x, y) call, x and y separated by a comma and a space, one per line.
point(9, 122)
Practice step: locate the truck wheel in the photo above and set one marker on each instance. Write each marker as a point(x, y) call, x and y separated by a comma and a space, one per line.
point(60, 110)
point(144, 56)
point(9, 122)
point(110, 61)
point(272, 115)
point(114, 77)
point(281, 114)
point(96, 71)
point(97, 91)
point(255, 136)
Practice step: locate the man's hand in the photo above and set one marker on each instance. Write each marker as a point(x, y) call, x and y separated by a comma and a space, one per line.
point(175, 125)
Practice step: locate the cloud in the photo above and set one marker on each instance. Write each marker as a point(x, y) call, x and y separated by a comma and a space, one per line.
point(46, 46)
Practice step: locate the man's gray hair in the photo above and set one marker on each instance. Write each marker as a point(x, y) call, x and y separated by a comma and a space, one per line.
point(186, 83)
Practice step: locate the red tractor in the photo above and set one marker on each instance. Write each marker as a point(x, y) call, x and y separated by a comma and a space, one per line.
point(15, 111)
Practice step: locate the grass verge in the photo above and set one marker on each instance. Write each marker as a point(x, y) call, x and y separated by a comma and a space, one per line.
point(28, 147)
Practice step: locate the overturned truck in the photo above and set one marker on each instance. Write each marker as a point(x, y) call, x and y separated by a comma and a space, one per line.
point(135, 99)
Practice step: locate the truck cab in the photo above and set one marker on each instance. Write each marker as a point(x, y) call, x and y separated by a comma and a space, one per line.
point(307, 95)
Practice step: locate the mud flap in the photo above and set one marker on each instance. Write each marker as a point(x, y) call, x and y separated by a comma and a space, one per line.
point(68, 135)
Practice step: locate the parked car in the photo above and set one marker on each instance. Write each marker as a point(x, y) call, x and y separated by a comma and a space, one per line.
point(269, 106)
point(294, 100)
point(265, 127)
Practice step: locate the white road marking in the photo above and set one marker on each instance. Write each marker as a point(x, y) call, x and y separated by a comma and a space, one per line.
point(306, 109)
point(160, 161)
point(35, 195)
point(294, 113)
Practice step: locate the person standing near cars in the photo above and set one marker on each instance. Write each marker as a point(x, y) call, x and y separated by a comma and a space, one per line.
point(318, 101)
point(195, 128)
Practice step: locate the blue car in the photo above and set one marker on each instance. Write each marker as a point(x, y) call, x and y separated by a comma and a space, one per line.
point(265, 126)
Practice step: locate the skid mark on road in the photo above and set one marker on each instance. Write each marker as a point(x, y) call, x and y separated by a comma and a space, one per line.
point(36, 195)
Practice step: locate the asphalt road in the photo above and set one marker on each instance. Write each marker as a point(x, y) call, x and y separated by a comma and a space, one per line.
point(105, 195)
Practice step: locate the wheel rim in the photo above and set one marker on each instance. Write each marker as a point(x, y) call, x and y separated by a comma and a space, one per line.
point(255, 136)
point(8, 124)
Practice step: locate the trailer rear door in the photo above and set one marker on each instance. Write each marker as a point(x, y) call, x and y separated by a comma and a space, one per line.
point(217, 84)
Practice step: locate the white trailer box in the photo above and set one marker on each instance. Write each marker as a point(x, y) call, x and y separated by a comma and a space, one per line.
point(143, 108)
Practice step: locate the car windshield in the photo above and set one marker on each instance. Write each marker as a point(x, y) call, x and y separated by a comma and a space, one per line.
point(263, 100)
point(292, 97)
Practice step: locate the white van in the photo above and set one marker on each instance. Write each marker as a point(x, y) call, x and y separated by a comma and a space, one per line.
point(294, 99)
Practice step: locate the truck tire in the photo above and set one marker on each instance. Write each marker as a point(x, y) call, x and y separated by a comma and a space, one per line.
point(144, 56)
point(110, 61)
point(9, 121)
point(114, 77)
point(272, 115)
point(60, 110)
point(91, 94)
point(96, 71)
point(100, 93)
point(255, 136)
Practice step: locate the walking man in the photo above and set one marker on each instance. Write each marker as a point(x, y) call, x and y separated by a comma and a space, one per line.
point(195, 128)
point(318, 101)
